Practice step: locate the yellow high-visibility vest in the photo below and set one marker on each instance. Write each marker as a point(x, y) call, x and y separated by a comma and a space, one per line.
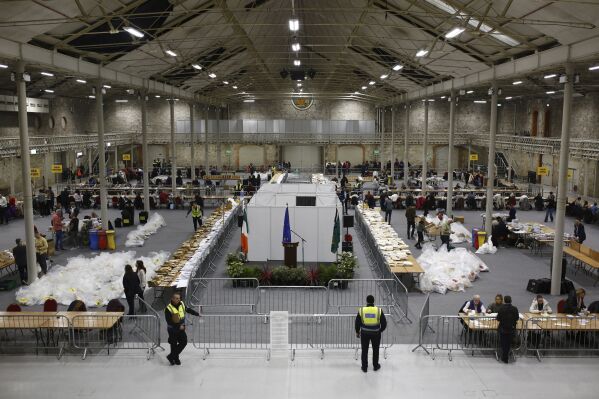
point(370, 315)
point(196, 211)
point(180, 312)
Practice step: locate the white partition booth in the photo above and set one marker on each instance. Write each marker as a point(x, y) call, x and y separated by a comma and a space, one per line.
point(266, 213)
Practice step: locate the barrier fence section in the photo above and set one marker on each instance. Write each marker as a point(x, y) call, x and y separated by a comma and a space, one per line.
point(42, 332)
point(223, 295)
point(106, 332)
point(423, 323)
point(379, 265)
point(307, 300)
point(247, 331)
point(328, 332)
point(562, 336)
point(347, 295)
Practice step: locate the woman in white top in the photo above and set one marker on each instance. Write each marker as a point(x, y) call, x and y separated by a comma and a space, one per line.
point(540, 305)
point(141, 273)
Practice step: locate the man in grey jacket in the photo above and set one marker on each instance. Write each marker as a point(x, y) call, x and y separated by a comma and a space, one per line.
point(388, 209)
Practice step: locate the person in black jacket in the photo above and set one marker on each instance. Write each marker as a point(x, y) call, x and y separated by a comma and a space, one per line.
point(507, 316)
point(20, 254)
point(131, 286)
point(370, 324)
point(174, 314)
point(579, 234)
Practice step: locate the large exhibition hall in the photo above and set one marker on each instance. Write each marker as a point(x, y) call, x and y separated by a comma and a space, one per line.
point(299, 198)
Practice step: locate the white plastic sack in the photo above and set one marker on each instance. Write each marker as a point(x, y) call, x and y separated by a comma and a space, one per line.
point(487, 248)
point(137, 237)
point(94, 280)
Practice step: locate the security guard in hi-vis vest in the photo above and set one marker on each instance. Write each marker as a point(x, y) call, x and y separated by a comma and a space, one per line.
point(174, 314)
point(370, 323)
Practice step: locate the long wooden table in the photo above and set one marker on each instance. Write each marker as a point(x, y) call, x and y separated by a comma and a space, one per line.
point(58, 320)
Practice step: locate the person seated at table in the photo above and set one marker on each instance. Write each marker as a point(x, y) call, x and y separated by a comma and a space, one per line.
point(512, 214)
point(593, 307)
point(475, 304)
point(471, 201)
point(138, 202)
point(495, 306)
point(540, 305)
point(539, 202)
point(499, 231)
point(77, 306)
point(579, 234)
point(575, 302)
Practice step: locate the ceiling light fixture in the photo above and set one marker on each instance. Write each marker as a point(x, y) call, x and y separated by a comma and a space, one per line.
point(508, 98)
point(157, 96)
point(443, 97)
point(295, 47)
point(397, 67)
point(470, 92)
point(3, 66)
point(364, 87)
point(553, 75)
point(33, 151)
point(517, 82)
point(480, 101)
point(431, 100)
point(47, 73)
point(594, 68)
point(225, 82)
point(212, 75)
point(81, 81)
point(234, 87)
point(421, 53)
point(454, 33)
point(550, 92)
point(170, 52)
point(297, 62)
point(49, 91)
point(371, 83)
point(121, 101)
point(294, 25)
point(197, 66)
point(384, 76)
point(299, 85)
point(107, 87)
point(134, 32)
point(92, 97)
point(248, 101)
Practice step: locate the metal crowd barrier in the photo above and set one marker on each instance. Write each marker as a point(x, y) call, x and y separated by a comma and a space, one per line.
point(329, 333)
point(347, 295)
point(424, 323)
point(223, 295)
point(297, 300)
point(562, 336)
point(452, 333)
point(223, 332)
point(43, 332)
point(106, 332)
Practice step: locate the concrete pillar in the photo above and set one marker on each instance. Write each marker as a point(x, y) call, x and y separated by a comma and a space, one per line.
point(425, 149)
point(219, 164)
point(102, 154)
point(393, 143)
point(491, 160)
point(324, 158)
point(173, 149)
point(26, 174)
point(587, 172)
point(562, 187)
point(192, 143)
point(206, 164)
point(382, 135)
point(406, 162)
point(12, 175)
point(89, 161)
point(116, 158)
point(452, 103)
point(336, 160)
point(146, 166)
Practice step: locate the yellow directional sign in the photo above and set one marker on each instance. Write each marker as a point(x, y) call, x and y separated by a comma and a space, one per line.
point(542, 171)
point(35, 172)
point(57, 168)
point(126, 157)
point(570, 173)
point(474, 157)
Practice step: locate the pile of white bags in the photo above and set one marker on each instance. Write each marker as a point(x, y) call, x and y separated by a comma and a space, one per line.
point(95, 280)
point(487, 248)
point(454, 270)
point(459, 233)
point(137, 237)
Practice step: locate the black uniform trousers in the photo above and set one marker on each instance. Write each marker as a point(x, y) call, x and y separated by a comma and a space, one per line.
point(197, 221)
point(505, 341)
point(177, 338)
point(366, 338)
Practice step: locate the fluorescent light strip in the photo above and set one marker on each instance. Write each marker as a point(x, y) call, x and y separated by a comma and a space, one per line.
point(92, 97)
point(397, 67)
point(47, 74)
point(197, 66)
point(594, 68)
point(384, 76)
point(454, 33)
point(508, 98)
point(2, 66)
point(421, 53)
point(550, 92)
point(517, 82)
point(470, 92)
point(225, 82)
point(364, 87)
point(81, 81)
point(134, 32)
point(299, 85)
point(553, 75)
point(49, 91)
point(294, 25)
point(121, 101)
point(234, 87)
point(171, 53)
point(157, 96)
point(480, 101)
point(107, 87)
point(371, 83)
point(212, 75)
point(248, 101)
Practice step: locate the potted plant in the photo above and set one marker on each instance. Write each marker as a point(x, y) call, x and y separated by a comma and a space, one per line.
point(250, 273)
point(265, 276)
point(235, 268)
point(345, 267)
point(280, 275)
point(313, 276)
point(298, 276)
point(326, 273)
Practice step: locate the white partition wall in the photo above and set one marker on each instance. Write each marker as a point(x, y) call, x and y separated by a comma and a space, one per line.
point(266, 212)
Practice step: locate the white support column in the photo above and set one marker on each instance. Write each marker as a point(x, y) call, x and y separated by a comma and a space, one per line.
point(89, 161)
point(425, 150)
point(26, 173)
point(146, 165)
point(587, 171)
point(192, 143)
point(206, 163)
point(12, 175)
point(562, 187)
point(336, 160)
point(406, 162)
point(453, 100)
point(101, 154)
point(219, 165)
point(173, 150)
point(393, 143)
point(491, 160)
point(116, 158)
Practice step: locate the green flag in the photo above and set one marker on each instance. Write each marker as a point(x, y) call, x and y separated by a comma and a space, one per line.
point(336, 234)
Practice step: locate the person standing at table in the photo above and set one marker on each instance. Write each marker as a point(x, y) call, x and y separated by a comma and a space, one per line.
point(196, 215)
point(140, 269)
point(550, 207)
point(579, 234)
point(131, 287)
point(20, 254)
point(41, 251)
point(174, 314)
point(420, 232)
point(507, 316)
point(388, 209)
point(57, 227)
point(370, 324)
point(411, 219)
point(3, 209)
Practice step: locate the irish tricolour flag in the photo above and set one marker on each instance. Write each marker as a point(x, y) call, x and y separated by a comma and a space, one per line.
point(245, 231)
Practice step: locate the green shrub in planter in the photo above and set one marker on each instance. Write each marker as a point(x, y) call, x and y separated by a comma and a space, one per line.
point(235, 267)
point(346, 265)
point(280, 275)
point(251, 272)
point(326, 273)
point(298, 276)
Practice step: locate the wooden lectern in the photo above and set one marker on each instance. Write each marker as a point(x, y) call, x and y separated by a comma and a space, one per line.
point(290, 249)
